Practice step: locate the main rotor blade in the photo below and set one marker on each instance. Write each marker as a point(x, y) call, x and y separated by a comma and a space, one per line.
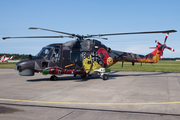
point(52, 31)
point(167, 31)
point(4, 38)
point(96, 37)
point(152, 47)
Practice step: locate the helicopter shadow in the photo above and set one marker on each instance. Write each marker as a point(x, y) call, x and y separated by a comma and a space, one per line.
point(111, 76)
point(114, 76)
point(67, 78)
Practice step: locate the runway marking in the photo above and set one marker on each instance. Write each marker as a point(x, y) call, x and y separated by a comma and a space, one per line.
point(79, 103)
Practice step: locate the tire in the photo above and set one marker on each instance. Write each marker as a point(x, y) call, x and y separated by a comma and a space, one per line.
point(105, 77)
point(53, 78)
point(83, 76)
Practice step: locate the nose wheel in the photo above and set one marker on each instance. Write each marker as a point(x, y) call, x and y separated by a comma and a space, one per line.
point(104, 76)
point(53, 78)
point(102, 73)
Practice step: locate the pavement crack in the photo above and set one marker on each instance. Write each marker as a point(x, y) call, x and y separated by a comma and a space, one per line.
point(66, 115)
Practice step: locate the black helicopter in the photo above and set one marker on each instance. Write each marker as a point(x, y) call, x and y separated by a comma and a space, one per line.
point(82, 56)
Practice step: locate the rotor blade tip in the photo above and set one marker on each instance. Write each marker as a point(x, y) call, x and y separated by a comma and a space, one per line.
point(33, 28)
point(4, 38)
point(172, 30)
point(105, 38)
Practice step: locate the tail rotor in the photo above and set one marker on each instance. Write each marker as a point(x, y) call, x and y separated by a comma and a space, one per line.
point(166, 38)
point(170, 48)
point(158, 42)
point(161, 47)
point(165, 43)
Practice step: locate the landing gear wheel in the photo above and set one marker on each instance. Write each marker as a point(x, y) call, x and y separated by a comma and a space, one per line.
point(83, 76)
point(104, 77)
point(53, 78)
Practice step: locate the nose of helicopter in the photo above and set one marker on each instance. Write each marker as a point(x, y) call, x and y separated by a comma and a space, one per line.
point(25, 67)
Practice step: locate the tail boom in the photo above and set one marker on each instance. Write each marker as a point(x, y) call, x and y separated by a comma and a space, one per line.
point(152, 57)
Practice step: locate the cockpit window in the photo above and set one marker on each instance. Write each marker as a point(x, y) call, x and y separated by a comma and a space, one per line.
point(44, 52)
point(56, 55)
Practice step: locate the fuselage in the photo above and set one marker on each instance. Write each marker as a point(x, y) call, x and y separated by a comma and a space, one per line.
point(78, 57)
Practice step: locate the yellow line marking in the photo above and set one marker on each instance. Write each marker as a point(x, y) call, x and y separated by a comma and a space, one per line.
point(79, 103)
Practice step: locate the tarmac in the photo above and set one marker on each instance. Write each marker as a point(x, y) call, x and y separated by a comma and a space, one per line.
point(11, 61)
point(124, 96)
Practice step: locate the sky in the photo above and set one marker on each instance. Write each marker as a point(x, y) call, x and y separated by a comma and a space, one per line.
point(90, 17)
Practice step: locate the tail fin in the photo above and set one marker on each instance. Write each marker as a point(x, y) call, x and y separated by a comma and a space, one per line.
point(154, 56)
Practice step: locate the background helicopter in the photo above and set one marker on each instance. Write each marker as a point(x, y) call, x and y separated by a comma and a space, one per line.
point(5, 59)
point(83, 56)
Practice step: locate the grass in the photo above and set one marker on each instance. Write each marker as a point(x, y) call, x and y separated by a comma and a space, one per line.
point(7, 65)
point(161, 66)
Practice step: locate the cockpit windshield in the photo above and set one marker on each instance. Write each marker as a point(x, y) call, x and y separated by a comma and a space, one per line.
point(44, 52)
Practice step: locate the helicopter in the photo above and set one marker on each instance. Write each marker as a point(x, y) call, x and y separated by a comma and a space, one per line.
point(83, 56)
point(5, 59)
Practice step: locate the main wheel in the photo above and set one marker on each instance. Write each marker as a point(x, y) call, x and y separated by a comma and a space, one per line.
point(53, 78)
point(104, 77)
point(83, 76)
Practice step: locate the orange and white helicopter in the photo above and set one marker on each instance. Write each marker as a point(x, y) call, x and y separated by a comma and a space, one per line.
point(5, 59)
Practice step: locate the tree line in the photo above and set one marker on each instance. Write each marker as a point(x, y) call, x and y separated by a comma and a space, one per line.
point(25, 56)
point(171, 58)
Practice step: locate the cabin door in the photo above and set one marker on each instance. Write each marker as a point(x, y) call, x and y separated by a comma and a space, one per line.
point(66, 63)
